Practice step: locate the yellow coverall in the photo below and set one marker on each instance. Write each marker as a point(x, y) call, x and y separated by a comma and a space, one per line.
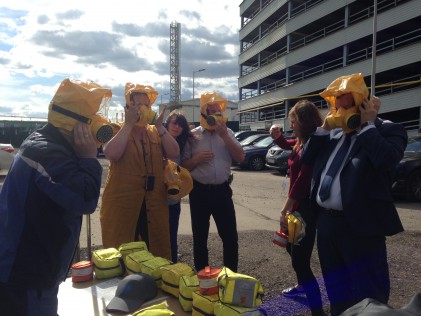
point(125, 191)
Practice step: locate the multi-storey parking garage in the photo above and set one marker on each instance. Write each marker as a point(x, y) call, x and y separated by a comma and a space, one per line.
point(294, 49)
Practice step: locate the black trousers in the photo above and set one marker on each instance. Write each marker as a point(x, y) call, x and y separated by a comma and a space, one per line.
point(300, 258)
point(22, 301)
point(215, 201)
point(353, 267)
point(142, 232)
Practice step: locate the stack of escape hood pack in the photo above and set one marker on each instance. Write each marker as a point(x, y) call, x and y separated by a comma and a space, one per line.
point(212, 291)
point(188, 285)
point(152, 267)
point(223, 292)
point(129, 258)
point(171, 275)
point(201, 288)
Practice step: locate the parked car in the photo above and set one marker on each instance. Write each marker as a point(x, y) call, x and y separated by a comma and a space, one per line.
point(6, 156)
point(277, 158)
point(244, 134)
point(255, 154)
point(252, 139)
point(407, 180)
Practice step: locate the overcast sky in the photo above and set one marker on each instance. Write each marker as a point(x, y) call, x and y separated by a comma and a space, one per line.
point(113, 42)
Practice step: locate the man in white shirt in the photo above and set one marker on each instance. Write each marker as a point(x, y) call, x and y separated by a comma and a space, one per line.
point(209, 158)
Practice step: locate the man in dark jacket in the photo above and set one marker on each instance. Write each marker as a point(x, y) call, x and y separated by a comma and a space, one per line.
point(354, 201)
point(54, 179)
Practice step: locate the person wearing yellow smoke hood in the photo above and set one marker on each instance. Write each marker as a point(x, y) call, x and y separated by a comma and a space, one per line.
point(208, 158)
point(134, 201)
point(354, 155)
point(55, 179)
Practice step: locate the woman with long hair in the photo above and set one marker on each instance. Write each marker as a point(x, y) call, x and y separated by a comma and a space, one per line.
point(304, 118)
point(179, 128)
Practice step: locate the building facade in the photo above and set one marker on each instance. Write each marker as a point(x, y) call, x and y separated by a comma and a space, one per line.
point(293, 49)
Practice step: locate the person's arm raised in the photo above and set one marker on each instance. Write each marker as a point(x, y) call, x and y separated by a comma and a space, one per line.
point(234, 147)
point(115, 148)
point(169, 144)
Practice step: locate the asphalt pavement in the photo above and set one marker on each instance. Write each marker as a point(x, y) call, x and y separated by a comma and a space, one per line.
point(258, 197)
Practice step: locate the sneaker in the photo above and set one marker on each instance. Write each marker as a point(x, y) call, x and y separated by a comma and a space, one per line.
point(293, 291)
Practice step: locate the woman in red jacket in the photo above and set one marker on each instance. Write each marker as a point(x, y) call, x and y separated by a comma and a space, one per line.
point(304, 118)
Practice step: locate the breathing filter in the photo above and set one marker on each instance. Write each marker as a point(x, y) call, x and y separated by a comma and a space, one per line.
point(215, 118)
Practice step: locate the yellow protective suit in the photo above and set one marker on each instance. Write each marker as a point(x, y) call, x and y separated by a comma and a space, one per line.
point(125, 191)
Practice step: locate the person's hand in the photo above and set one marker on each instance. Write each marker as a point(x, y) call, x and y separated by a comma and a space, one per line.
point(203, 156)
point(369, 109)
point(376, 103)
point(221, 129)
point(131, 114)
point(83, 142)
point(275, 131)
point(160, 118)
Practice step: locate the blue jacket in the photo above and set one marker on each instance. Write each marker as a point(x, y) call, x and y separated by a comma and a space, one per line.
point(366, 178)
point(46, 192)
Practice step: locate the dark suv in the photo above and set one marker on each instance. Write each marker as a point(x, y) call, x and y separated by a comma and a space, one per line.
point(243, 134)
point(407, 180)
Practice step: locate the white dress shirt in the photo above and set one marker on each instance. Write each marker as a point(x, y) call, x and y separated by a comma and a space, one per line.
point(218, 169)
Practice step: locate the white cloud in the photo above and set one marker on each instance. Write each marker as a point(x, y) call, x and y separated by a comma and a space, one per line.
point(44, 41)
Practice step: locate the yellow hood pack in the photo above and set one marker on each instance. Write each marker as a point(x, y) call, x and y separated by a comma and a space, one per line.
point(77, 100)
point(354, 84)
point(206, 99)
point(134, 87)
point(147, 115)
point(346, 118)
point(178, 180)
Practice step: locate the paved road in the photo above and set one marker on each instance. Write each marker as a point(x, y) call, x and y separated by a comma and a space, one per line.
point(258, 197)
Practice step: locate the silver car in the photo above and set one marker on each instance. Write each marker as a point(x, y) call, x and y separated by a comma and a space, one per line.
point(277, 158)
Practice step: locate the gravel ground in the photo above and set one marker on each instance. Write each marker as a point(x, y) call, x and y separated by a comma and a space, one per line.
point(260, 258)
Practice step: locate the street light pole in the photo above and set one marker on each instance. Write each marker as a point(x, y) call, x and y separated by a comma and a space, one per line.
point(373, 51)
point(193, 89)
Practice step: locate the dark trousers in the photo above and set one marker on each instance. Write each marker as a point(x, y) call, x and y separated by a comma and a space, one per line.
point(142, 232)
point(20, 301)
point(215, 201)
point(353, 267)
point(175, 210)
point(300, 258)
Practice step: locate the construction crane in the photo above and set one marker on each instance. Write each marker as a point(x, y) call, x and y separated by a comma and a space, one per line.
point(175, 82)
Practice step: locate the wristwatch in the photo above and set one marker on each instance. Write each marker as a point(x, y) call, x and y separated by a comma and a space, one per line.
point(368, 123)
